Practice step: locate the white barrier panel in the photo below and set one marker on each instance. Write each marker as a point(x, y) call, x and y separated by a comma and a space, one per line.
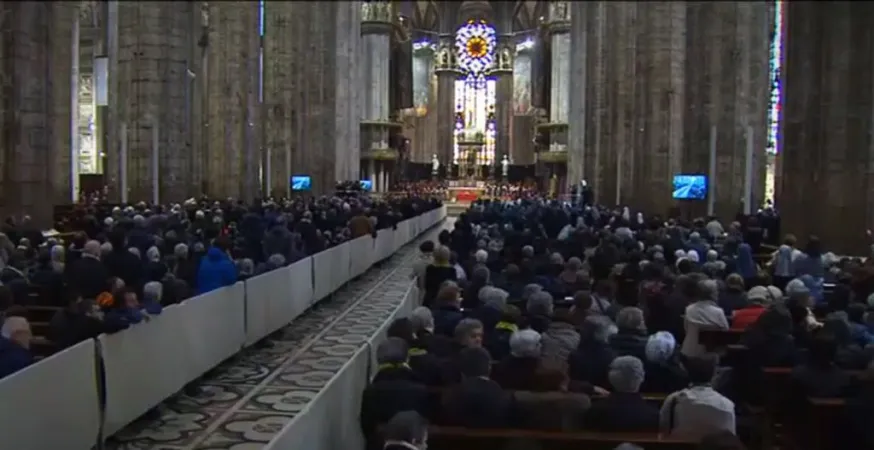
point(213, 331)
point(340, 268)
point(401, 235)
point(322, 278)
point(259, 291)
point(53, 404)
point(300, 285)
point(144, 365)
point(384, 244)
point(331, 420)
point(361, 253)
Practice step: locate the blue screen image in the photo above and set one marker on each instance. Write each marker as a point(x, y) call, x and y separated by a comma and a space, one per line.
point(366, 185)
point(690, 187)
point(301, 183)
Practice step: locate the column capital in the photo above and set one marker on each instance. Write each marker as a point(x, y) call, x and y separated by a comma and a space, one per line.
point(377, 17)
point(559, 19)
point(445, 57)
point(504, 56)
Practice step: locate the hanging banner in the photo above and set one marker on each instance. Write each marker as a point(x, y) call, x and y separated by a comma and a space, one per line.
point(522, 84)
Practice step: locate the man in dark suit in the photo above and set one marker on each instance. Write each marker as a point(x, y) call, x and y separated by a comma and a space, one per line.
point(405, 431)
point(88, 275)
point(624, 410)
point(477, 402)
point(395, 387)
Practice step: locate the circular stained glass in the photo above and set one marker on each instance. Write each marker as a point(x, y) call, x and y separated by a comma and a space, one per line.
point(475, 44)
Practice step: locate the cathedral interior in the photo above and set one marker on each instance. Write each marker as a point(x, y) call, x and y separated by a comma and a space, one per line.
point(161, 101)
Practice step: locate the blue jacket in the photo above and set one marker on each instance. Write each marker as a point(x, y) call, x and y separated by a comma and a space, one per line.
point(216, 271)
point(13, 357)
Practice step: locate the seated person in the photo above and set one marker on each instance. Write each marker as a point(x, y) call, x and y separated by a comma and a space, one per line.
point(395, 387)
point(631, 337)
point(664, 372)
point(447, 309)
point(819, 376)
point(438, 272)
point(698, 410)
point(468, 334)
point(423, 327)
point(425, 365)
point(547, 404)
point(624, 410)
point(477, 402)
point(79, 321)
point(497, 340)
point(517, 371)
point(407, 430)
point(590, 362)
point(15, 346)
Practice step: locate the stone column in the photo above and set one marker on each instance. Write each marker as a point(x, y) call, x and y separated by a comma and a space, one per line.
point(727, 84)
point(376, 28)
point(446, 68)
point(420, 120)
point(827, 163)
point(231, 88)
point(559, 23)
point(150, 91)
point(35, 44)
point(659, 103)
point(280, 89)
point(503, 74)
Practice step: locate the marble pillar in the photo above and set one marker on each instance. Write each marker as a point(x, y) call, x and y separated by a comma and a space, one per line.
point(280, 89)
point(420, 121)
point(558, 25)
point(446, 68)
point(503, 75)
point(659, 104)
point(149, 91)
point(827, 164)
point(36, 56)
point(231, 93)
point(727, 89)
point(376, 52)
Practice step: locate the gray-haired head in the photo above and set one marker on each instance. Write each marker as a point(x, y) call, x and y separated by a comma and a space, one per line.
point(408, 427)
point(57, 253)
point(180, 251)
point(525, 344)
point(153, 254)
point(599, 328)
point(630, 318)
point(626, 374)
point(540, 303)
point(92, 248)
point(246, 266)
point(199, 247)
point(529, 290)
point(153, 291)
point(469, 332)
point(796, 287)
point(422, 319)
point(135, 251)
point(276, 261)
point(105, 248)
point(393, 350)
point(708, 290)
point(481, 256)
point(528, 251)
point(660, 347)
point(556, 258)
point(493, 297)
point(139, 220)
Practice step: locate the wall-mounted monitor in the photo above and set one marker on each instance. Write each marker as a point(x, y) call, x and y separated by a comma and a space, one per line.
point(301, 183)
point(366, 185)
point(690, 187)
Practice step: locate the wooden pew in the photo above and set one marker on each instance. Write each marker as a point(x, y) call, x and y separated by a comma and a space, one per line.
point(719, 339)
point(41, 313)
point(456, 438)
point(823, 415)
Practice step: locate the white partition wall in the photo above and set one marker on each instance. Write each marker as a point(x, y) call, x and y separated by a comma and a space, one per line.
point(56, 403)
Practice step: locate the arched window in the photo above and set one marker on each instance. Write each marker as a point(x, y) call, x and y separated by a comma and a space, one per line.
point(475, 44)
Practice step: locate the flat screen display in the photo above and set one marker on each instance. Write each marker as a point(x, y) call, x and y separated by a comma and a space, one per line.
point(690, 187)
point(366, 185)
point(301, 183)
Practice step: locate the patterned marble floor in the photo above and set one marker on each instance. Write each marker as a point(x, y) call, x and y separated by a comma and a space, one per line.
point(247, 400)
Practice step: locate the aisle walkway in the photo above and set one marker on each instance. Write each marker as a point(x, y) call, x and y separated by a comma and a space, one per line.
point(247, 400)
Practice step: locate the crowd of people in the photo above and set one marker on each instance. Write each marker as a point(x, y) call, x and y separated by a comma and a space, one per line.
point(118, 265)
point(551, 316)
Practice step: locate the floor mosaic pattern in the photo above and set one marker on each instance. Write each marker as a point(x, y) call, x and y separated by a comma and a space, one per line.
point(243, 403)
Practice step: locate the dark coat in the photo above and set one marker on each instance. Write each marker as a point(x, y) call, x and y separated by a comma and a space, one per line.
point(394, 389)
point(516, 373)
point(623, 412)
point(13, 357)
point(89, 277)
point(477, 403)
point(445, 319)
point(629, 342)
point(590, 363)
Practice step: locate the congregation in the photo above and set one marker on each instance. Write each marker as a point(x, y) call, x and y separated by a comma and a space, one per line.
point(117, 265)
point(547, 316)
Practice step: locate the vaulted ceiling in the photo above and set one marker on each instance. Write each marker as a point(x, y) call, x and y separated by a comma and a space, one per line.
point(444, 16)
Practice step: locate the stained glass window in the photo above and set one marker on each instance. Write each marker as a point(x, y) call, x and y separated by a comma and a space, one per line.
point(475, 93)
point(774, 106)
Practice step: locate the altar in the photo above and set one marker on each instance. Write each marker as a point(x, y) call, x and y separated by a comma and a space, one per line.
point(465, 191)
